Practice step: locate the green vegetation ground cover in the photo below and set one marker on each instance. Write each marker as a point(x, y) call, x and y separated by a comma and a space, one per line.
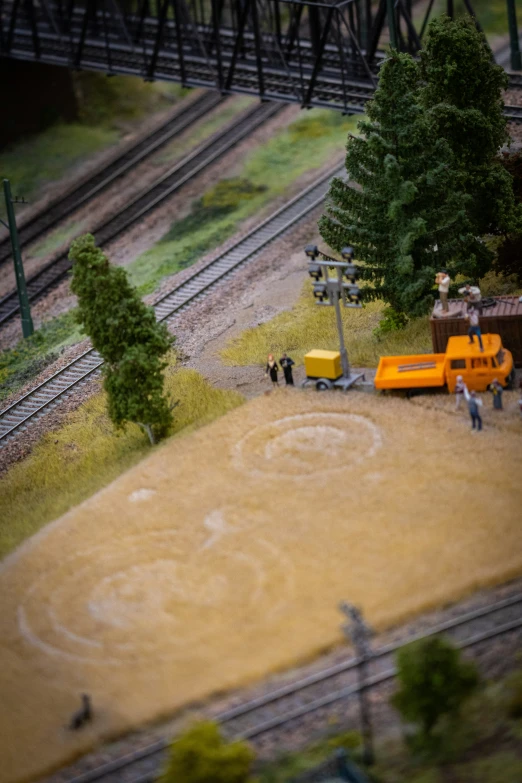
point(309, 326)
point(306, 144)
point(56, 238)
point(30, 356)
point(220, 118)
point(104, 105)
point(86, 454)
point(267, 172)
point(483, 746)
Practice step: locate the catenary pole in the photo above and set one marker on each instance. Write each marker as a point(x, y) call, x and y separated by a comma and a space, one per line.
point(392, 23)
point(25, 310)
point(516, 59)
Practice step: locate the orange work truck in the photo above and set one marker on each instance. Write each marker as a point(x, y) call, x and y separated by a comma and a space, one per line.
point(478, 368)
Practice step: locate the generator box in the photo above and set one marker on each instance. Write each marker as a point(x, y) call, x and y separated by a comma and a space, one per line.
point(323, 364)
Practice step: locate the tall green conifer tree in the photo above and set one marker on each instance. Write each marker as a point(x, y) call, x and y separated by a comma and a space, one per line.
point(402, 209)
point(125, 332)
point(463, 91)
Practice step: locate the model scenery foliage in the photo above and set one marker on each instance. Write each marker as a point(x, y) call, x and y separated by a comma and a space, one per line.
point(433, 681)
point(425, 182)
point(462, 93)
point(125, 332)
point(201, 755)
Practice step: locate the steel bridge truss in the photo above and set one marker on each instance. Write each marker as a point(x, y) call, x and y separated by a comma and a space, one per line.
point(303, 51)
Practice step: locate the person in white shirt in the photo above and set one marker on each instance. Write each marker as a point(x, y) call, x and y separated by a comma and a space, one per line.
point(460, 388)
point(471, 294)
point(474, 327)
point(443, 281)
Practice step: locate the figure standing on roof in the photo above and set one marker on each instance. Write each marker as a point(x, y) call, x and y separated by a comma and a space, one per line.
point(443, 281)
point(474, 327)
point(287, 363)
point(474, 405)
point(460, 388)
point(496, 390)
point(272, 369)
point(472, 296)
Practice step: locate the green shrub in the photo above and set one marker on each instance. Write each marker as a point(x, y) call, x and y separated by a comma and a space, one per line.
point(433, 681)
point(201, 755)
point(229, 194)
point(392, 321)
point(131, 342)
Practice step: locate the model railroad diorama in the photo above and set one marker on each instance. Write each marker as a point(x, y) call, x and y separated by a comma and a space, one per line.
point(261, 405)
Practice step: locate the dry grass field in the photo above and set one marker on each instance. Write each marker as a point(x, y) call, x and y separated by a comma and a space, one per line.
point(223, 556)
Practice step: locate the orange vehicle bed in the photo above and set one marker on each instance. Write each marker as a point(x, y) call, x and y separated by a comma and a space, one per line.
point(405, 372)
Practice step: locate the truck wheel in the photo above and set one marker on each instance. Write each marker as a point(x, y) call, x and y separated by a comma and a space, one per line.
point(510, 380)
point(323, 385)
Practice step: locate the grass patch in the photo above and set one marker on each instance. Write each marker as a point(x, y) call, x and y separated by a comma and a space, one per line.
point(306, 144)
point(37, 160)
point(173, 151)
point(56, 238)
point(104, 105)
point(308, 326)
point(86, 454)
point(31, 355)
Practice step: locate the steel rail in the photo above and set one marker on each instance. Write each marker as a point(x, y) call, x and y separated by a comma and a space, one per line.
point(50, 392)
point(282, 719)
point(151, 197)
point(46, 219)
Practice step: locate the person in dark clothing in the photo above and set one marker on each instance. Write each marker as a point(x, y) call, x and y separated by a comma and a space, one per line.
point(474, 404)
point(287, 363)
point(496, 390)
point(272, 369)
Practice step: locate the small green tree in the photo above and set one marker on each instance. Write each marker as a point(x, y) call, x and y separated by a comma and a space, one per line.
point(402, 209)
point(433, 681)
point(464, 94)
point(125, 333)
point(201, 755)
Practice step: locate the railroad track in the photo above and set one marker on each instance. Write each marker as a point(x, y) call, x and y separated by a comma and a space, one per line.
point(214, 148)
point(59, 209)
point(66, 381)
point(513, 113)
point(284, 707)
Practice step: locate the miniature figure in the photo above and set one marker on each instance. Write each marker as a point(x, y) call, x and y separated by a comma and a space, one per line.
point(460, 388)
point(443, 281)
point(496, 390)
point(272, 369)
point(287, 363)
point(472, 296)
point(83, 715)
point(474, 327)
point(474, 403)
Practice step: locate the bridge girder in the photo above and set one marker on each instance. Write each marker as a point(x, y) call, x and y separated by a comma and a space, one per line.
point(311, 52)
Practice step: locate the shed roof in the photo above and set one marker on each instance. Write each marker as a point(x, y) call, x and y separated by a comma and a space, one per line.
point(505, 307)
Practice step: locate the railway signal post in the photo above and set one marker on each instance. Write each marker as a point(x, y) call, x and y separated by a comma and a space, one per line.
point(358, 632)
point(25, 309)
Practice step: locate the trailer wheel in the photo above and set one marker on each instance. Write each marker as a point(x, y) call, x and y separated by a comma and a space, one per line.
point(323, 384)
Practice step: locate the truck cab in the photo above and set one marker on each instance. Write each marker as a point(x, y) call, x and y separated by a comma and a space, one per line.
point(478, 368)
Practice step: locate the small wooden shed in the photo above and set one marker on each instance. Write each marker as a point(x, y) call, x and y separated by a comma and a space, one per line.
point(504, 318)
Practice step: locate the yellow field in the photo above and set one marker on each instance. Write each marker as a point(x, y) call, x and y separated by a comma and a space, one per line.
point(223, 555)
